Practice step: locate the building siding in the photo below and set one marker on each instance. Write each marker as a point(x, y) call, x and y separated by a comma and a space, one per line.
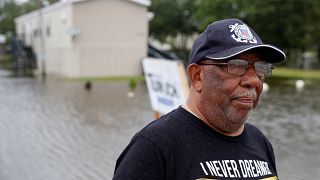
point(117, 43)
point(91, 38)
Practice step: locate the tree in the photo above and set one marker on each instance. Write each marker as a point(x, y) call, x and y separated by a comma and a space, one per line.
point(172, 19)
point(10, 10)
point(289, 24)
point(208, 11)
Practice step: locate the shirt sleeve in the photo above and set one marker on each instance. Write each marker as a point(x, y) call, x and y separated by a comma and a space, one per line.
point(141, 160)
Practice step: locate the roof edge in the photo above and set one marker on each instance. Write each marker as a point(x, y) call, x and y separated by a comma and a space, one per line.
point(142, 2)
point(68, 2)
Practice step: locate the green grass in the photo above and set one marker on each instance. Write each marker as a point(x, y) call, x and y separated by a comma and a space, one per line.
point(111, 78)
point(6, 62)
point(132, 80)
point(288, 73)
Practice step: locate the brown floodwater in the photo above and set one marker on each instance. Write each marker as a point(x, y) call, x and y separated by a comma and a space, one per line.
point(57, 130)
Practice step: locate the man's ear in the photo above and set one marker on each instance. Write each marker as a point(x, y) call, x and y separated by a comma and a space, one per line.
point(196, 76)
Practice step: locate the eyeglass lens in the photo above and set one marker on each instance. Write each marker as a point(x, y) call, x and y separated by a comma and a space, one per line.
point(239, 67)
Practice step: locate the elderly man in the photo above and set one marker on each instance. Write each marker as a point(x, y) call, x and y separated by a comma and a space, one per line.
point(208, 137)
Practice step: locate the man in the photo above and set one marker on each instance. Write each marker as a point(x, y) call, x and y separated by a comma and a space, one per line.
point(208, 137)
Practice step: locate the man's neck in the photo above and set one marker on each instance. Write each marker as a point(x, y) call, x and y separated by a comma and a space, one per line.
point(235, 133)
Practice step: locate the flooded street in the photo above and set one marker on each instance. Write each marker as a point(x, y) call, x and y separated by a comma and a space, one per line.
point(57, 130)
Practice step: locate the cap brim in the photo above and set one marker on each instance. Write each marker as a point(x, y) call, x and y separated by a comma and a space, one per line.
point(269, 53)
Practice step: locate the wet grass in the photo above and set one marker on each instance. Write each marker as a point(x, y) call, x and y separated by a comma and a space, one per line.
point(294, 74)
point(6, 62)
point(111, 78)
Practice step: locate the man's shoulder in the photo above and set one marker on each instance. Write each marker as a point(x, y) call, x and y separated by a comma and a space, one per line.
point(165, 125)
point(161, 133)
point(152, 148)
point(255, 133)
point(252, 128)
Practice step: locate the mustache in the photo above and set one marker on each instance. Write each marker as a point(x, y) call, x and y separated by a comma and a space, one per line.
point(249, 92)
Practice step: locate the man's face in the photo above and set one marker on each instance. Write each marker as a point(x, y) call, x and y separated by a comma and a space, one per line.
point(227, 100)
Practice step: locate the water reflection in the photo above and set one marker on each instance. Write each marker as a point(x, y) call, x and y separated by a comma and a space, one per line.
point(291, 119)
point(57, 130)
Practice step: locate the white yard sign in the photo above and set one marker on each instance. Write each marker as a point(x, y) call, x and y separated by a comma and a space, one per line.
point(167, 83)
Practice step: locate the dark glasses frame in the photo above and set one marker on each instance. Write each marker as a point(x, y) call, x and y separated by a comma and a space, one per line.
point(239, 66)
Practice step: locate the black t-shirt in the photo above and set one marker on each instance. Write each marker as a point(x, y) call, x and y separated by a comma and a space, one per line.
point(179, 146)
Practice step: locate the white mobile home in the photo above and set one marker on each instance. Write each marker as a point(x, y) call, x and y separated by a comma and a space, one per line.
point(88, 38)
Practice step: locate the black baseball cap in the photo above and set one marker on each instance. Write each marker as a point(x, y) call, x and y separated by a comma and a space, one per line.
point(226, 38)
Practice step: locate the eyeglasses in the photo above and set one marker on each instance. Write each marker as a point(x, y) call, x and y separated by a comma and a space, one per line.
point(239, 67)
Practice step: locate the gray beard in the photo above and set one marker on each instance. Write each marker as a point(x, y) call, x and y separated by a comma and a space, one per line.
point(222, 121)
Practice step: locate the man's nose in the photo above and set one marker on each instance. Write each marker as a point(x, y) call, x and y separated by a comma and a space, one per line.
point(250, 79)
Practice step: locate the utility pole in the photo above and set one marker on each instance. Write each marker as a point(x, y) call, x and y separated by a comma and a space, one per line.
point(42, 54)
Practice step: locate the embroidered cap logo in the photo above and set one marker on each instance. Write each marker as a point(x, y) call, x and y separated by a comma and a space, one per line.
point(241, 33)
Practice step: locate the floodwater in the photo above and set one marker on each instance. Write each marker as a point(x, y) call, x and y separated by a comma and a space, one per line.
point(57, 130)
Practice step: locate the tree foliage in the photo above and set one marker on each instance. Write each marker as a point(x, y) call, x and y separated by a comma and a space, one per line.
point(172, 17)
point(289, 24)
point(9, 10)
